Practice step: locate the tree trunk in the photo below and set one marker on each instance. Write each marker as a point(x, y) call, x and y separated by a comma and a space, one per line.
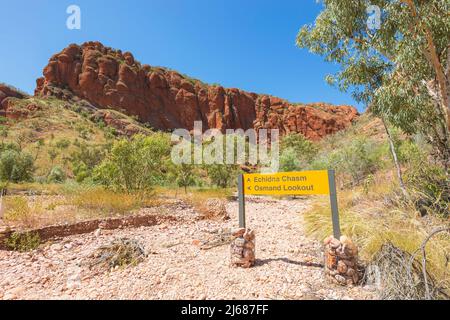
point(432, 56)
point(394, 156)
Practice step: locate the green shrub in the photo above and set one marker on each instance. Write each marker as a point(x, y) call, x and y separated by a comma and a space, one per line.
point(85, 159)
point(297, 152)
point(430, 188)
point(9, 146)
point(184, 175)
point(62, 144)
point(289, 160)
point(355, 160)
point(135, 165)
point(222, 175)
point(81, 172)
point(57, 175)
point(23, 242)
point(305, 149)
point(409, 152)
point(16, 166)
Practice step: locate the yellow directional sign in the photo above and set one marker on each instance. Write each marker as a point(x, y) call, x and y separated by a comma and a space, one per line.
point(287, 183)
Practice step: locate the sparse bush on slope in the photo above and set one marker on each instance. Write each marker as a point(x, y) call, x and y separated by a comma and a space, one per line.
point(15, 165)
point(297, 152)
point(57, 175)
point(354, 161)
point(222, 175)
point(85, 159)
point(134, 165)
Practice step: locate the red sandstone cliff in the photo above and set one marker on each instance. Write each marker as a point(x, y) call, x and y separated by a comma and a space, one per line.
point(6, 92)
point(166, 99)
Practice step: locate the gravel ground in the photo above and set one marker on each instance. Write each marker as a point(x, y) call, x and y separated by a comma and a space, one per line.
point(288, 264)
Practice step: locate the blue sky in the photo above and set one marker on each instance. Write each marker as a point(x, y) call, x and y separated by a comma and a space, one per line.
point(245, 44)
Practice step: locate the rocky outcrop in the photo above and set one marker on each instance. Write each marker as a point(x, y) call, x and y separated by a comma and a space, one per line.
point(7, 92)
point(118, 121)
point(166, 99)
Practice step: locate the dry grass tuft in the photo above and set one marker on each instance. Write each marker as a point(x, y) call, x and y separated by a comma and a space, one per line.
point(210, 203)
point(399, 276)
point(99, 201)
point(19, 211)
point(77, 204)
point(118, 254)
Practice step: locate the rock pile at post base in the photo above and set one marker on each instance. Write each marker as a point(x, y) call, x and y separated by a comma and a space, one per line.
point(243, 248)
point(341, 261)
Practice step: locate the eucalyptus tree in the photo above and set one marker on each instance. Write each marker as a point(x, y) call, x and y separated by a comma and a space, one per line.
point(394, 56)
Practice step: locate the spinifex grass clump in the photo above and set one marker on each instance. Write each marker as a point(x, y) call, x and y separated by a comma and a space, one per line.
point(120, 253)
point(20, 211)
point(97, 201)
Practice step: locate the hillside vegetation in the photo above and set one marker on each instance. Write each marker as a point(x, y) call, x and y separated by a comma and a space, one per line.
point(60, 163)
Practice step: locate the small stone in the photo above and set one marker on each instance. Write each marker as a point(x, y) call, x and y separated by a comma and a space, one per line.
point(97, 232)
point(350, 272)
point(9, 296)
point(341, 267)
point(238, 233)
point(328, 240)
point(335, 243)
point(349, 263)
point(333, 272)
point(249, 245)
point(331, 261)
point(340, 279)
point(348, 246)
point(17, 291)
point(355, 278)
point(249, 235)
point(249, 254)
point(56, 247)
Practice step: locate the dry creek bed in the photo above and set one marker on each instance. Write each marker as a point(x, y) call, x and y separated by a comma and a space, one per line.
point(288, 266)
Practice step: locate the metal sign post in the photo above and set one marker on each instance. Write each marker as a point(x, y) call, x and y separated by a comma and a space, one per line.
point(334, 204)
point(241, 196)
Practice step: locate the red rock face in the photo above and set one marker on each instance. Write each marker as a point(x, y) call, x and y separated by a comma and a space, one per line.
point(6, 92)
point(167, 100)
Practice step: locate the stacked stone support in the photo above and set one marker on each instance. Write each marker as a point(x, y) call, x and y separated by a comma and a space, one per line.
point(341, 261)
point(243, 248)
